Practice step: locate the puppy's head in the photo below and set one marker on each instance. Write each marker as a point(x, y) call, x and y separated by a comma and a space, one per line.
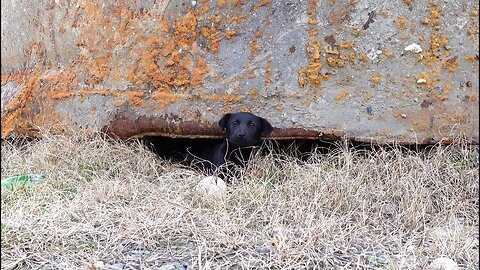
point(244, 129)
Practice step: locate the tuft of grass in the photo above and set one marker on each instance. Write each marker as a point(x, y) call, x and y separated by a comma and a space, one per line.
point(106, 202)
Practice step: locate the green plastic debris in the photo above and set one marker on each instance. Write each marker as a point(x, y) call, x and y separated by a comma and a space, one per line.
point(25, 179)
point(374, 260)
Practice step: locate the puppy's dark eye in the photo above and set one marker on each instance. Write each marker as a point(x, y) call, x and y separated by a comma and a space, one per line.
point(236, 122)
point(251, 124)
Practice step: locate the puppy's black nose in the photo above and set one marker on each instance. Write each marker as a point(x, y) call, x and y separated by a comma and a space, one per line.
point(240, 135)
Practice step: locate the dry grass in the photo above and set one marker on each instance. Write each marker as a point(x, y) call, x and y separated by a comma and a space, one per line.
point(112, 204)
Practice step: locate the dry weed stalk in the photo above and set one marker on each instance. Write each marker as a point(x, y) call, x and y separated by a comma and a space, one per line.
point(116, 202)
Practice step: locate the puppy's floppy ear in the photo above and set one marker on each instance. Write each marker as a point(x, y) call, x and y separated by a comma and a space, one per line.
point(266, 127)
point(223, 122)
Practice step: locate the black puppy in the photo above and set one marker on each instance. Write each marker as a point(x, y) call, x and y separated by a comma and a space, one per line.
point(243, 131)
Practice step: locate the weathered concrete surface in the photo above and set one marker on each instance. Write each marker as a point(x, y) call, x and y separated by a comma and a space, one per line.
point(313, 68)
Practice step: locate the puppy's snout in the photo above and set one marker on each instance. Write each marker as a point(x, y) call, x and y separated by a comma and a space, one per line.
point(240, 135)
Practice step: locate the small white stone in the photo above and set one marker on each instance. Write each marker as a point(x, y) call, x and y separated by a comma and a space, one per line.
point(443, 264)
point(419, 81)
point(99, 265)
point(212, 187)
point(413, 48)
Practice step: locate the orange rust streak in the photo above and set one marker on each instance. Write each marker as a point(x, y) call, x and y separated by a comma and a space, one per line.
point(199, 72)
point(268, 72)
point(347, 45)
point(230, 33)
point(451, 64)
point(164, 98)
point(401, 22)
point(222, 3)
point(376, 79)
point(311, 73)
point(135, 98)
point(5, 77)
point(164, 61)
point(342, 95)
point(368, 95)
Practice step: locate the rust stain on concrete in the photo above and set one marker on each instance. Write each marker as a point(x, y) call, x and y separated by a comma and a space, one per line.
point(199, 60)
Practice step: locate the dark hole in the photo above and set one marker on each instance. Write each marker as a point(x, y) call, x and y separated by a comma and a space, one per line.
point(179, 149)
point(186, 151)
